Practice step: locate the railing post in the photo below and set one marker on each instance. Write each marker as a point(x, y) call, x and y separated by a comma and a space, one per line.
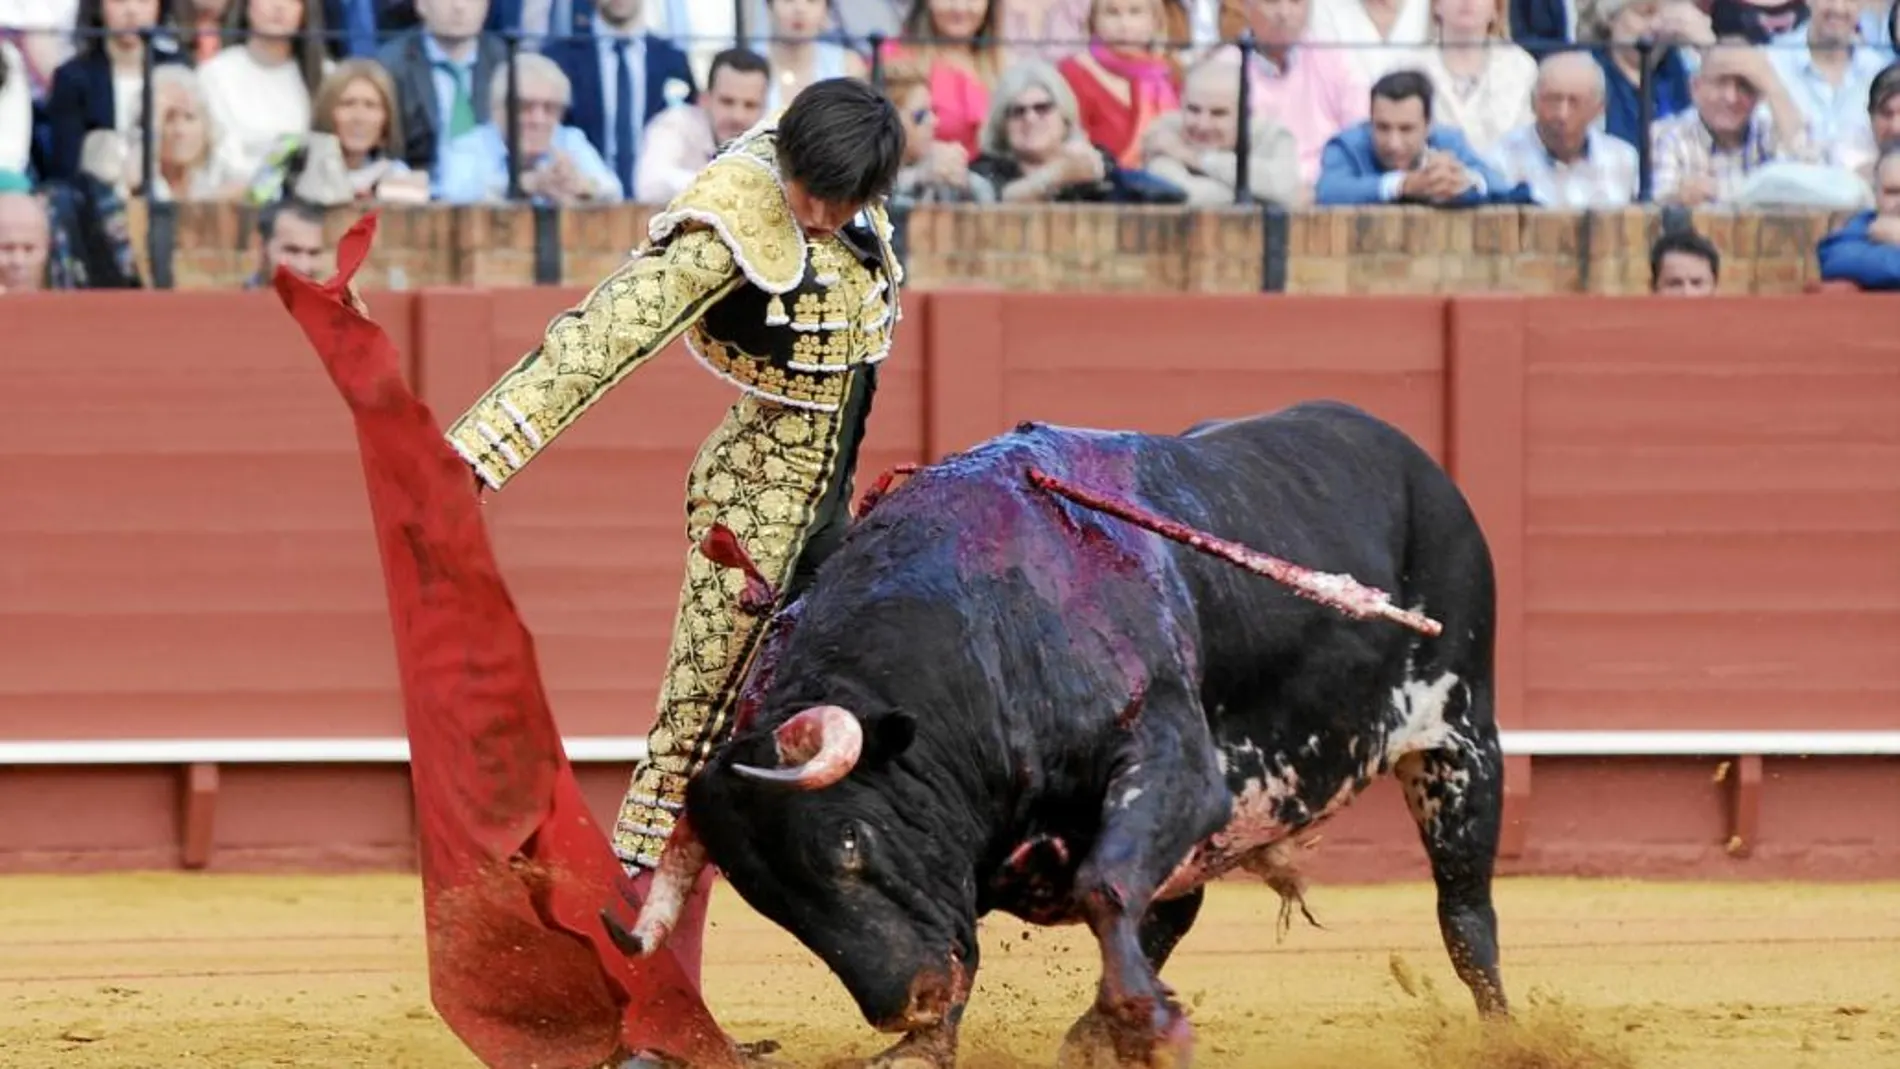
point(1243, 145)
point(1646, 111)
point(161, 214)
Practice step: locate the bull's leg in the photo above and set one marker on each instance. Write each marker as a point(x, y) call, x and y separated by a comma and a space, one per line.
point(1165, 796)
point(1457, 797)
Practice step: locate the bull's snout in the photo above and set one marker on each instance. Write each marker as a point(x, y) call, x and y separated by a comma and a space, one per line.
point(933, 993)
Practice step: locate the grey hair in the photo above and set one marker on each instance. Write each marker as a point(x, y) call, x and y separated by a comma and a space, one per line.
point(531, 67)
point(1017, 78)
point(1582, 61)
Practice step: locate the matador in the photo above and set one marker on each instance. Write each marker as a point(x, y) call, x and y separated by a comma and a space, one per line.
point(776, 267)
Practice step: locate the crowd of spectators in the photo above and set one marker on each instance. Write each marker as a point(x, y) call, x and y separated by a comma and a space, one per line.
point(1348, 102)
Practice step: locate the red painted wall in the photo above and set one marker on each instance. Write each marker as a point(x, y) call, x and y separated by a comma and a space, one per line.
point(1694, 506)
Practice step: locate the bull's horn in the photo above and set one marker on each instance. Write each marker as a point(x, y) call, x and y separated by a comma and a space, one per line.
point(816, 749)
point(681, 861)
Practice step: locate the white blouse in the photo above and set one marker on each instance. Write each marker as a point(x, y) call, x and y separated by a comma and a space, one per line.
point(253, 105)
point(1498, 102)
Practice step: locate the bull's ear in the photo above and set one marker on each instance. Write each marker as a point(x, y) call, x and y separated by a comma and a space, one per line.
point(888, 735)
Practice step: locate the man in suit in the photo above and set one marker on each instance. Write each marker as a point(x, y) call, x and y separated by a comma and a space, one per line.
point(1399, 155)
point(622, 77)
point(439, 68)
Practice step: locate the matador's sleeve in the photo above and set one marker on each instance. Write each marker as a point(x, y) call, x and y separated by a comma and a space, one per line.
point(632, 315)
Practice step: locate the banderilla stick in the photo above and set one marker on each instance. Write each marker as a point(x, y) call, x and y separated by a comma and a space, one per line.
point(1339, 591)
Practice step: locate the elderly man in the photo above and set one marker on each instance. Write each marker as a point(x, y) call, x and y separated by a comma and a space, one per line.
point(1194, 147)
point(1866, 251)
point(682, 140)
point(1703, 155)
point(1399, 155)
point(1562, 155)
point(558, 164)
point(25, 237)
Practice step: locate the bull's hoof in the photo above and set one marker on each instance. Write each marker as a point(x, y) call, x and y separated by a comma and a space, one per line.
point(931, 1049)
point(1099, 1041)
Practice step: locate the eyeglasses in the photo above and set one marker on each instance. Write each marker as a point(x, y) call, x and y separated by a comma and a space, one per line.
point(1038, 109)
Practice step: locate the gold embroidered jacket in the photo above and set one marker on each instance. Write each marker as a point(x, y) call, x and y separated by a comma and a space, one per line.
point(728, 268)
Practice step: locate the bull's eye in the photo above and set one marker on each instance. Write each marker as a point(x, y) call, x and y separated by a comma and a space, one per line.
point(850, 856)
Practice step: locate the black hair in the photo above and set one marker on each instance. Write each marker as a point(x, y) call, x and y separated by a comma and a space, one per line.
point(301, 209)
point(842, 141)
point(1885, 84)
point(740, 61)
point(1687, 242)
point(1398, 85)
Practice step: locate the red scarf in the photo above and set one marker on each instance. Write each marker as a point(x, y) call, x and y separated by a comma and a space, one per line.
point(1151, 91)
point(515, 871)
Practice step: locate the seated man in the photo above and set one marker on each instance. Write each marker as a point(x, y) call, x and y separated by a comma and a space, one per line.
point(1398, 155)
point(682, 140)
point(1562, 154)
point(1706, 154)
point(1195, 146)
point(1866, 250)
point(558, 164)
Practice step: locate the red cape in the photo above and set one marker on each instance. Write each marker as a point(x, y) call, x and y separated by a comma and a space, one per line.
point(515, 871)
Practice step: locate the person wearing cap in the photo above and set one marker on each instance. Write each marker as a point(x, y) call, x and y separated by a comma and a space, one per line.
point(1703, 155)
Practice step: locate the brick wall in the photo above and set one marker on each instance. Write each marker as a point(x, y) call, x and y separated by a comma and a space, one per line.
point(1051, 248)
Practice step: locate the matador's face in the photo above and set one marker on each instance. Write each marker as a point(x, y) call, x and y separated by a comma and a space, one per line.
point(817, 218)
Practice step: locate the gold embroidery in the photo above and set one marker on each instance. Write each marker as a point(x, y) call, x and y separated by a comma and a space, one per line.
point(758, 375)
point(741, 197)
point(589, 348)
point(762, 474)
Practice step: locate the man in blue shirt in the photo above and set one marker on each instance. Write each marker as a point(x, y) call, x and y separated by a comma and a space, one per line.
point(1397, 155)
point(1866, 251)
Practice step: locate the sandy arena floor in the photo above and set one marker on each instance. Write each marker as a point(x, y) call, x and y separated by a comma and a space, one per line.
point(236, 972)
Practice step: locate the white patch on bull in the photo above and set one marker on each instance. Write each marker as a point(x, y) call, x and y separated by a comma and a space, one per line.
point(1415, 724)
point(1129, 796)
point(1312, 745)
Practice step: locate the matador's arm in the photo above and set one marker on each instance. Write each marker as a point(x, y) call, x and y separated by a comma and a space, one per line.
point(632, 315)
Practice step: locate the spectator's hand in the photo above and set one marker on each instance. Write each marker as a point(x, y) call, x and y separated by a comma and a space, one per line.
point(1080, 162)
point(1696, 189)
point(1684, 23)
point(1885, 230)
point(947, 164)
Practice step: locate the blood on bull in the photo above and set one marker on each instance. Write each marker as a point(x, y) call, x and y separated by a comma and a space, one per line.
point(1043, 677)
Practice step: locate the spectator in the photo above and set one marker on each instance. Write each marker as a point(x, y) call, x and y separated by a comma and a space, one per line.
point(934, 171)
point(1311, 91)
point(558, 163)
point(261, 90)
point(792, 44)
point(1562, 154)
point(188, 165)
point(1399, 154)
point(1827, 72)
point(1683, 263)
point(99, 88)
point(682, 140)
point(16, 110)
point(1120, 81)
point(204, 28)
point(437, 68)
point(1701, 156)
point(955, 40)
point(356, 106)
point(1195, 147)
point(1866, 140)
point(45, 29)
point(1481, 82)
point(1379, 35)
point(25, 237)
point(1880, 24)
point(289, 234)
point(356, 27)
point(618, 78)
point(1033, 145)
point(1866, 250)
point(1617, 26)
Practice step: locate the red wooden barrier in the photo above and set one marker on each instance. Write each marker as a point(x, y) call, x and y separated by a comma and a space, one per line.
point(1694, 509)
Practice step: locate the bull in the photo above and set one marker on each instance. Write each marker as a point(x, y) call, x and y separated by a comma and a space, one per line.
point(992, 697)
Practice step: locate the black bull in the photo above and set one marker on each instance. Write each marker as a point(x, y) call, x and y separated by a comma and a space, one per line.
point(992, 698)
